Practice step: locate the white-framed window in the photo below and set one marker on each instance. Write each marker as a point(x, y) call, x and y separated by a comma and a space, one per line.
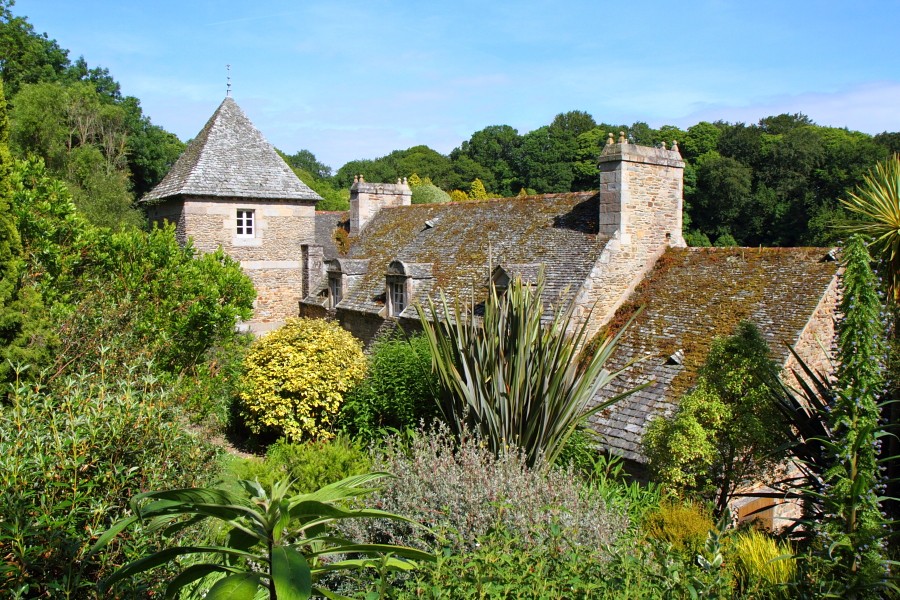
point(245, 223)
point(397, 290)
point(335, 290)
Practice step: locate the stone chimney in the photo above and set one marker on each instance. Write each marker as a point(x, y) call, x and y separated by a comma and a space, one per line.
point(366, 199)
point(641, 193)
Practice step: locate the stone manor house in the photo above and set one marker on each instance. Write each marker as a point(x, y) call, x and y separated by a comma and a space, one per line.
point(604, 252)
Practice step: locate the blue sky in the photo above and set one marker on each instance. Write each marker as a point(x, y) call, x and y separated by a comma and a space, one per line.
point(351, 79)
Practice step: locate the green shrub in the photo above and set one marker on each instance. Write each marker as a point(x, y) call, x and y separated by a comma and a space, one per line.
point(208, 390)
point(69, 462)
point(308, 466)
point(465, 491)
point(683, 525)
point(296, 377)
point(725, 431)
point(133, 292)
point(498, 567)
point(763, 566)
point(428, 193)
point(398, 392)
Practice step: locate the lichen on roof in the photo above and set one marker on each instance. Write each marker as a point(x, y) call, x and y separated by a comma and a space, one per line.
point(692, 296)
point(466, 240)
point(231, 158)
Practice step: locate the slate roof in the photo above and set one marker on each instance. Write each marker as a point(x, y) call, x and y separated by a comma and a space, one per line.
point(325, 224)
point(231, 158)
point(558, 230)
point(692, 296)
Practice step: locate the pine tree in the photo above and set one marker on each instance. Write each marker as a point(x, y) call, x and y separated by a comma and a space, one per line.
point(478, 192)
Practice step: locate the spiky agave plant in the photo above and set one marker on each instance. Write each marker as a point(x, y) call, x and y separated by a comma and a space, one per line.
point(275, 542)
point(511, 377)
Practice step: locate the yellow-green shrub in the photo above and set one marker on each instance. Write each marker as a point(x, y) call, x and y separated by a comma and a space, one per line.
point(296, 377)
point(762, 564)
point(685, 526)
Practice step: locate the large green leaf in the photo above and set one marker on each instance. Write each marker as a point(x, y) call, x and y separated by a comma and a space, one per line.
point(158, 559)
point(349, 487)
point(291, 575)
point(240, 586)
point(195, 573)
point(402, 551)
point(110, 533)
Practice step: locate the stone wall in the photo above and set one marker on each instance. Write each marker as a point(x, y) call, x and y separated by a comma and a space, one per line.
point(640, 209)
point(365, 326)
point(277, 291)
point(170, 211)
point(816, 344)
point(272, 257)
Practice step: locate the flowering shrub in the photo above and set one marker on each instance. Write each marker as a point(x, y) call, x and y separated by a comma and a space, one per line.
point(296, 378)
point(463, 492)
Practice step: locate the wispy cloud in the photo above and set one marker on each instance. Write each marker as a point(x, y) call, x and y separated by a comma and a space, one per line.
point(869, 107)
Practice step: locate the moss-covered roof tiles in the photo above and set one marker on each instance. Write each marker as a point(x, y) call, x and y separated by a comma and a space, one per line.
point(692, 296)
point(557, 230)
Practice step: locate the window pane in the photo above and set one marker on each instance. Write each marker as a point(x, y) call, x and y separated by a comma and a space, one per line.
point(398, 298)
point(245, 222)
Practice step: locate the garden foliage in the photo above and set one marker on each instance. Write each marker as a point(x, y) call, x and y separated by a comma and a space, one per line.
point(511, 378)
point(307, 466)
point(398, 391)
point(725, 431)
point(154, 297)
point(140, 295)
point(24, 332)
point(683, 525)
point(69, 462)
point(854, 525)
point(276, 543)
point(297, 376)
point(764, 567)
point(463, 490)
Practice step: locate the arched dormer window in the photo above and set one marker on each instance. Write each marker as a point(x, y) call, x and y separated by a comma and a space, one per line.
point(402, 282)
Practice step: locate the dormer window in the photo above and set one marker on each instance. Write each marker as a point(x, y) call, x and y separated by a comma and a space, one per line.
point(245, 223)
point(404, 281)
point(503, 275)
point(343, 275)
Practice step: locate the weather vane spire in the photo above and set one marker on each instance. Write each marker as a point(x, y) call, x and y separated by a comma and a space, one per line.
point(228, 80)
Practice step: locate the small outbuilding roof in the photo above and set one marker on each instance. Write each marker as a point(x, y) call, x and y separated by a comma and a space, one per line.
point(231, 158)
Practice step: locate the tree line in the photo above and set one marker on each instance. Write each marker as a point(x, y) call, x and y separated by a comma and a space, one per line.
point(776, 182)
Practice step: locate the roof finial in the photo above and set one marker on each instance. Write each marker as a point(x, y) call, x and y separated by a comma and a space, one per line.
point(228, 79)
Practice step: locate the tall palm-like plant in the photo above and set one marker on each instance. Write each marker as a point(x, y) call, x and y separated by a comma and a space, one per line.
point(511, 377)
point(877, 202)
point(275, 543)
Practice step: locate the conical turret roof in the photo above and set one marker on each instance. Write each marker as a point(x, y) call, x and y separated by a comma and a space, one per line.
point(231, 158)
